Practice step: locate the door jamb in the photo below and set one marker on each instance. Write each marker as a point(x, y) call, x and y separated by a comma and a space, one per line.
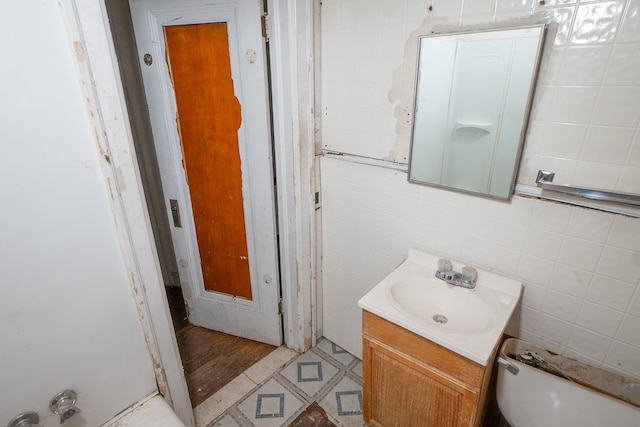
point(290, 27)
point(292, 64)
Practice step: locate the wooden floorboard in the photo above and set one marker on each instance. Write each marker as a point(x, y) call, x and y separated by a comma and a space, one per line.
point(210, 359)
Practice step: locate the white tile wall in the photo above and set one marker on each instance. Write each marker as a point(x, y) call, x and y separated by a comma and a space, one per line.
point(581, 295)
point(580, 267)
point(585, 114)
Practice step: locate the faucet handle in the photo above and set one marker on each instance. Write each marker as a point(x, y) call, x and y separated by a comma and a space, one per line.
point(64, 404)
point(444, 265)
point(25, 419)
point(469, 274)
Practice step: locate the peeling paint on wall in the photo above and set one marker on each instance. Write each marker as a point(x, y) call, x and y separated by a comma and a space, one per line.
point(79, 51)
point(402, 94)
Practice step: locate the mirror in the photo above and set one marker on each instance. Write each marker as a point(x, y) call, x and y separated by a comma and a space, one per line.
point(473, 95)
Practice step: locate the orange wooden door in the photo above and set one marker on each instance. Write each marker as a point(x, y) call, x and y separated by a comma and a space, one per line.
point(209, 116)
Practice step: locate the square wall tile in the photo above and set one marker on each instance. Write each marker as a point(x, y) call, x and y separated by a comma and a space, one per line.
point(610, 293)
point(447, 9)
point(504, 260)
point(629, 181)
point(514, 5)
point(535, 270)
point(543, 244)
point(629, 30)
point(391, 12)
point(633, 158)
point(575, 104)
point(479, 227)
point(563, 140)
point(596, 175)
point(542, 100)
point(518, 211)
point(561, 305)
point(563, 17)
point(607, 144)
point(625, 233)
point(555, 3)
point(582, 254)
point(620, 264)
point(553, 330)
point(624, 357)
point(634, 304)
point(510, 235)
point(550, 216)
point(570, 280)
point(478, 7)
point(529, 318)
point(624, 65)
point(590, 224)
point(617, 106)
point(589, 343)
point(599, 319)
point(596, 22)
point(583, 65)
point(629, 331)
point(533, 295)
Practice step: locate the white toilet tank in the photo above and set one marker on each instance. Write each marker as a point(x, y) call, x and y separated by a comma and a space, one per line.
point(533, 397)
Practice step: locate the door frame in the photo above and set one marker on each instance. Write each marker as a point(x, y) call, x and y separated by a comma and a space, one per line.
point(291, 33)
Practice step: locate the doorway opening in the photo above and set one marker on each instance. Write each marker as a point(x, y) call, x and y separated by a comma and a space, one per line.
point(210, 359)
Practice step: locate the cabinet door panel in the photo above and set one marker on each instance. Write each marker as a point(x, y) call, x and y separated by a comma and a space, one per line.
point(400, 391)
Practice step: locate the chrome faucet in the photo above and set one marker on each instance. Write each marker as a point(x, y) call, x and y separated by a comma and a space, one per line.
point(466, 279)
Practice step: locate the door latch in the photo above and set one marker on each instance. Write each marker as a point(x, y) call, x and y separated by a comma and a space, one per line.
point(175, 213)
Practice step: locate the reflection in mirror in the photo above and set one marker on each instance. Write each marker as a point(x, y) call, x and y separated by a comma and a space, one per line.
point(473, 94)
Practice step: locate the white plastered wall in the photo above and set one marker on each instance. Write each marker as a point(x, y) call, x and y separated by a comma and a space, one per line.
point(67, 315)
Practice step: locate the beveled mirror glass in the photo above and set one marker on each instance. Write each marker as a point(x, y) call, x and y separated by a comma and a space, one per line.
point(473, 96)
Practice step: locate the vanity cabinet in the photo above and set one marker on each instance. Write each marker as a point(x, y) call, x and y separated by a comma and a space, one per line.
point(411, 381)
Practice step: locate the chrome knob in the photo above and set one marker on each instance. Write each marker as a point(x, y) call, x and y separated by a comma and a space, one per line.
point(26, 419)
point(444, 265)
point(64, 404)
point(469, 274)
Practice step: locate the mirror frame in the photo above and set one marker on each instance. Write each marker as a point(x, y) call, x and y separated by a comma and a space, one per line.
point(527, 110)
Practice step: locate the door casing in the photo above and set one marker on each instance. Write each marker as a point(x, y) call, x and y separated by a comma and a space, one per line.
point(291, 35)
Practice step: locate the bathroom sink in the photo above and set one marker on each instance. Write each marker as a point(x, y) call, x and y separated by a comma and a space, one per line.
point(444, 306)
point(468, 321)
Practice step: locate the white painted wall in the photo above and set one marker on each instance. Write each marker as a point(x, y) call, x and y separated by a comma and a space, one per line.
point(580, 267)
point(67, 316)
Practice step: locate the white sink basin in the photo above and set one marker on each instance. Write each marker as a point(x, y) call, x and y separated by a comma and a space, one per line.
point(443, 306)
point(467, 321)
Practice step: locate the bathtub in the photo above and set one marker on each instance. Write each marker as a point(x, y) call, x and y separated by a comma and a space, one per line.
point(151, 412)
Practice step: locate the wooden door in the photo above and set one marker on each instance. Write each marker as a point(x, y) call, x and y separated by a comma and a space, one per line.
point(205, 83)
point(208, 122)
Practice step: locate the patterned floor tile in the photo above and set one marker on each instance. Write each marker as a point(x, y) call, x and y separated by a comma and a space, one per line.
point(326, 374)
point(271, 405)
point(227, 421)
point(356, 368)
point(344, 403)
point(309, 373)
point(335, 351)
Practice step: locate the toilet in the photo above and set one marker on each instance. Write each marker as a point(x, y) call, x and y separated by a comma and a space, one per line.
point(536, 388)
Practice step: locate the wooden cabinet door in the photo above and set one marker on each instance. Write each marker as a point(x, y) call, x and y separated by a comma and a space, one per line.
point(401, 391)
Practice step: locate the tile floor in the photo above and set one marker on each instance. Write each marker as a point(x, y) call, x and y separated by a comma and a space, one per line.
point(276, 390)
